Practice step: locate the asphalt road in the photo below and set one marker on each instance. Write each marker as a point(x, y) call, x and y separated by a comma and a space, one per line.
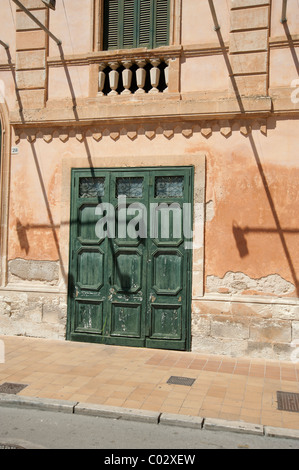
point(33, 429)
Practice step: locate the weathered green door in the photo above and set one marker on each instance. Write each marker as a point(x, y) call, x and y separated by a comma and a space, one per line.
point(130, 266)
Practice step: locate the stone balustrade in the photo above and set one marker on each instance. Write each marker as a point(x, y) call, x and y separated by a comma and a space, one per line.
point(133, 76)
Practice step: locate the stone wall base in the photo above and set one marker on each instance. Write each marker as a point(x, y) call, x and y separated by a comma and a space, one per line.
point(258, 329)
point(36, 314)
point(221, 327)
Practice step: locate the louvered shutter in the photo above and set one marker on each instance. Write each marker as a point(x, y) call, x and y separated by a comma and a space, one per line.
point(161, 27)
point(111, 24)
point(136, 23)
point(144, 25)
point(129, 24)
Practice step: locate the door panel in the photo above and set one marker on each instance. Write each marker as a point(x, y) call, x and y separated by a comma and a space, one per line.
point(126, 320)
point(167, 272)
point(88, 316)
point(131, 287)
point(88, 290)
point(127, 297)
point(169, 261)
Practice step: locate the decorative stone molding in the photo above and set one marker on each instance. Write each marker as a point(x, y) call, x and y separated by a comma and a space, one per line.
point(31, 51)
point(205, 128)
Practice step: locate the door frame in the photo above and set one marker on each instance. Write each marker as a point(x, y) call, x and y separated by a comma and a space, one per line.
point(5, 143)
point(189, 257)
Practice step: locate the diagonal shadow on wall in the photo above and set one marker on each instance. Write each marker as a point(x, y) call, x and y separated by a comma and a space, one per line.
point(278, 227)
point(49, 212)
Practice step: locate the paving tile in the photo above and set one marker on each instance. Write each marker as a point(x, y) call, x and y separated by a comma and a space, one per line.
point(188, 411)
point(137, 378)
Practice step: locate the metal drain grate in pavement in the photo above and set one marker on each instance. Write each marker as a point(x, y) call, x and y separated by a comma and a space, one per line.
point(181, 381)
point(12, 388)
point(287, 401)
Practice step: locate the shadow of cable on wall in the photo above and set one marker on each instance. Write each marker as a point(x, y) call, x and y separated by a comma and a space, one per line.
point(239, 235)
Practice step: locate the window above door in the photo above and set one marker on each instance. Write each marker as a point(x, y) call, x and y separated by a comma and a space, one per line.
point(133, 24)
point(136, 23)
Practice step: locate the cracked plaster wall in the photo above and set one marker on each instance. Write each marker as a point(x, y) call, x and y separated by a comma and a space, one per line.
point(240, 283)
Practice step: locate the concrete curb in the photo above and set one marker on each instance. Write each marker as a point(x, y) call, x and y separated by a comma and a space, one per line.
point(117, 412)
point(45, 404)
point(214, 424)
point(181, 420)
point(168, 419)
point(281, 432)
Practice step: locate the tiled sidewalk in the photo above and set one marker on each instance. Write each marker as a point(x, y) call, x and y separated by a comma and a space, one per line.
point(226, 388)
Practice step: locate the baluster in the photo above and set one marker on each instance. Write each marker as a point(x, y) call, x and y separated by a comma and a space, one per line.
point(113, 78)
point(155, 75)
point(127, 77)
point(102, 78)
point(166, 74)
point(140, 76)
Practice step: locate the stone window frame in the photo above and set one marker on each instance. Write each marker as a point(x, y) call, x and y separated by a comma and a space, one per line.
point(98, 23)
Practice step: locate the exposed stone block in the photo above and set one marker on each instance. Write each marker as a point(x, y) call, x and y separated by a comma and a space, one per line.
point(248, 3)
point(285, 352)
point(269, 331)
point(240, 282)
point(32, 4)
point(249, 85)
point(223, 346)
point(259, 350)
point(201, 326)
point(32, 99)
point(29, 270)
point(249, 63)
point(23, 22)
point(26, 40)
point(252, 18)
point(27, 79)
point(51, 313)
point(247, 41)
point(227, 327)
point(295, 330)
point(33, 314)
point(285, 312)
point(30, 60)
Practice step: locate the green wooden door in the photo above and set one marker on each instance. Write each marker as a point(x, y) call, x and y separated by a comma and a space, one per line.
point(130, 271)
point(127, 260)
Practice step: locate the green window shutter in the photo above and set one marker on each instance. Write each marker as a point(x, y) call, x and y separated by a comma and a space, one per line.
point(136, 23)
point(129, 24)
point(161, 29)
point(145, 21)
point(111, 22)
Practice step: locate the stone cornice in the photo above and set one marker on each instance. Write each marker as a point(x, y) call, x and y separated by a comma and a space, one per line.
point(108, 56)
point(149, 108)
point(133, 131)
